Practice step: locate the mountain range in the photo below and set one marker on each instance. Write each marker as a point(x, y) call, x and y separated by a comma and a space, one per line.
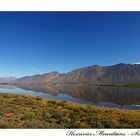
point(7, 79)
point(119, 73)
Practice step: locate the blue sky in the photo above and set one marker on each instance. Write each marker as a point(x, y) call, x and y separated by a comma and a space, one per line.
point(40, 42)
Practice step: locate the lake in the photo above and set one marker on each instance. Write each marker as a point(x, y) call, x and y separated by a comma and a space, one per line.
point(116, 97)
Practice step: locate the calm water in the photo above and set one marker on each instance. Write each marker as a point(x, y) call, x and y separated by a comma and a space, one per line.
point(118, 97)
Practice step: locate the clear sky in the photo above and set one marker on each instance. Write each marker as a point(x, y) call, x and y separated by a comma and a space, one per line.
point(38, 42)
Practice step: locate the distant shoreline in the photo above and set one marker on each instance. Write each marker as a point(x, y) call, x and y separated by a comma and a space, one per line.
point(135, 85)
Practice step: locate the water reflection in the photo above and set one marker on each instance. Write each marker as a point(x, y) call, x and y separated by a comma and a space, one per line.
point(123, 96)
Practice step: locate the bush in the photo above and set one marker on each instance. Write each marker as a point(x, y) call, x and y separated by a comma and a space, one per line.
point(29, 115)
point(58, 115)
point(47, 116)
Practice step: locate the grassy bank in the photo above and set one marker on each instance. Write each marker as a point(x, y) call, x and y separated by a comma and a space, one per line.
point(25, 111)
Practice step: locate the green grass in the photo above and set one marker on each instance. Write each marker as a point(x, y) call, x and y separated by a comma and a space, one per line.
point(26, 111)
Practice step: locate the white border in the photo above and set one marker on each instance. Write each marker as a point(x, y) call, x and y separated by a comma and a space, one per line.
point(60, 134)
point(69, 5)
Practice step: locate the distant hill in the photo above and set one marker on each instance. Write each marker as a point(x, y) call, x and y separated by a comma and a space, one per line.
point(7, 79)
point(120, 73)
point(37, 79)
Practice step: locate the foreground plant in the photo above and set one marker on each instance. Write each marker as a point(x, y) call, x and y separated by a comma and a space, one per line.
point(26, 111)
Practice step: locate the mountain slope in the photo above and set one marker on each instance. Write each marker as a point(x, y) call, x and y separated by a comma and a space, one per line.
point(120, 73)
point(37, 79)
point(7, 79)
point(96, 74)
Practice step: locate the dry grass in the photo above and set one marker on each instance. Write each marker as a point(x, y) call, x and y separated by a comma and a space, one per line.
point(26, 111)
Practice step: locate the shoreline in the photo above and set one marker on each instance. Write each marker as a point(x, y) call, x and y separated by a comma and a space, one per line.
point(116, 106)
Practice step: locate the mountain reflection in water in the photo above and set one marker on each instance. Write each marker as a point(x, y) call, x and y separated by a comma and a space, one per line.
point(96, 95)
